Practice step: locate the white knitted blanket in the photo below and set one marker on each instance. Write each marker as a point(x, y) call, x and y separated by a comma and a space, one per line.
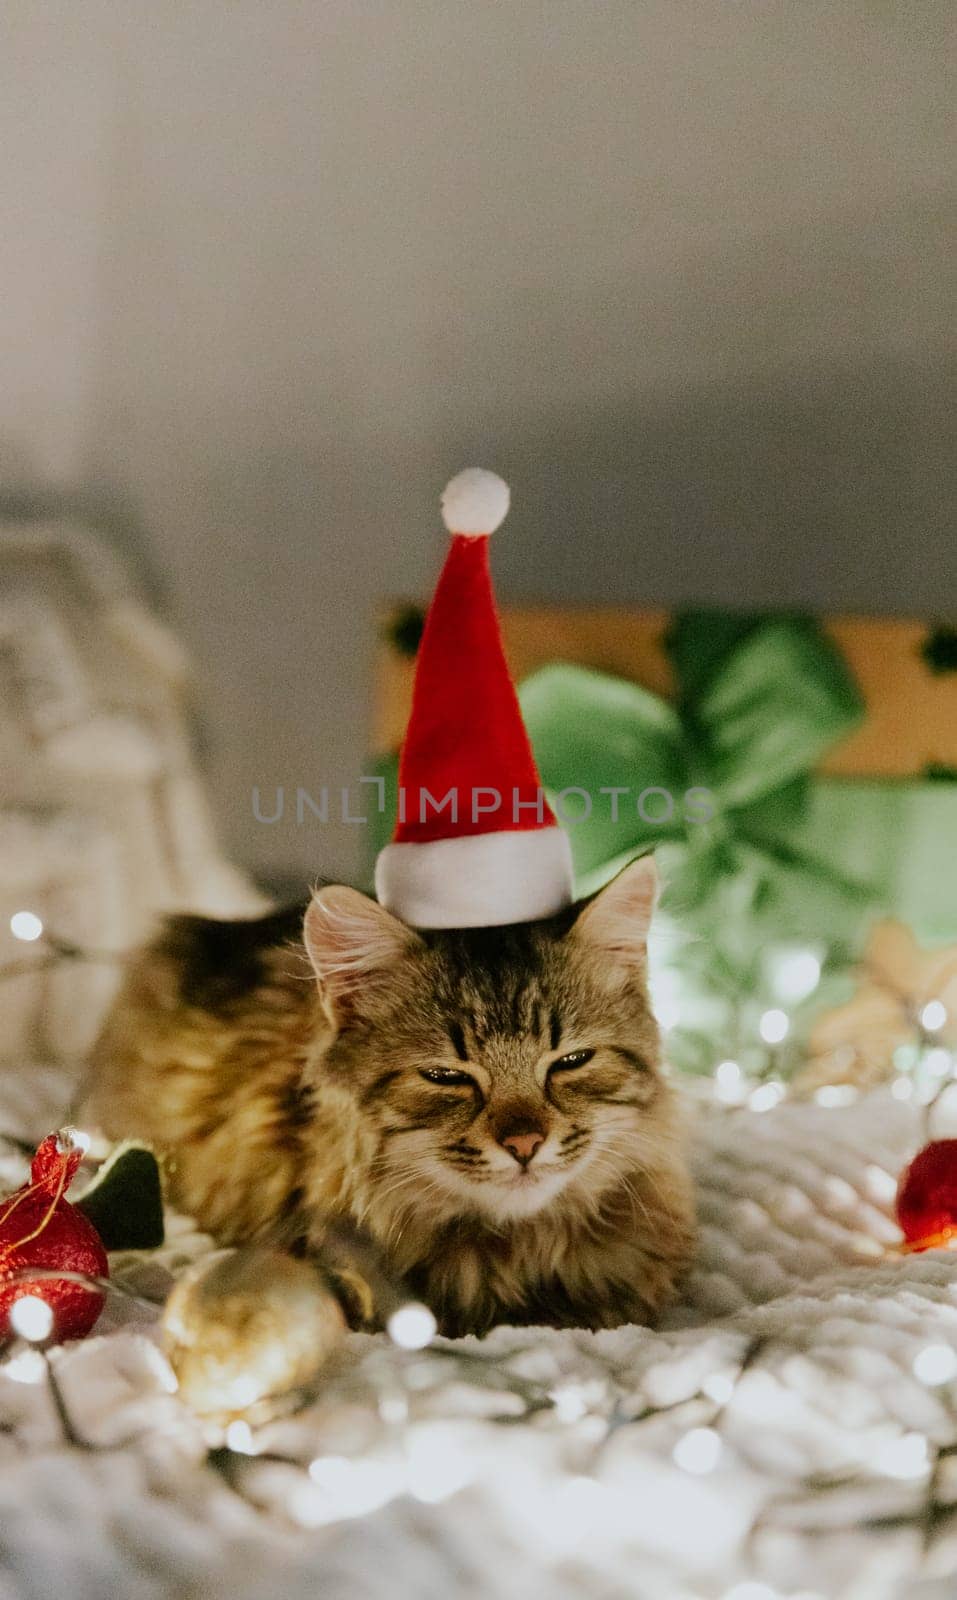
point(657, 1469)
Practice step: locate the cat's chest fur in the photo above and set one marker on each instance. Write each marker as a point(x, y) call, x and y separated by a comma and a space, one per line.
point(549, 1269)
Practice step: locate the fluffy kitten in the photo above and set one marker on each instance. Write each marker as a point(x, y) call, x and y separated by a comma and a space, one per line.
point(488, 1104)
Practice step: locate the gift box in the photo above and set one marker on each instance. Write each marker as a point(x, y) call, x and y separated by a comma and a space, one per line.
point(796, 779)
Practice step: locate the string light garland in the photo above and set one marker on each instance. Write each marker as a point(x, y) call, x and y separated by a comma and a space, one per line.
point(412, 1326)
point(31, 1318)
point(431, 1461)
point(26, 926)
point(924, 1066)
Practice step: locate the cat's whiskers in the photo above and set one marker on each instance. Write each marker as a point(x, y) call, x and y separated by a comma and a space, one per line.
point(627, 1181)
point(419, 1186)
point(607, 1171)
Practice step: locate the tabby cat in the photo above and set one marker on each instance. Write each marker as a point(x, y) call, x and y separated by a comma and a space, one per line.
point(487, 1104)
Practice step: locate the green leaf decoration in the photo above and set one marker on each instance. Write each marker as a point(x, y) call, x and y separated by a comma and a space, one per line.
point(404, 630)
point(125, 1200)
point(698, 643)
point(939, 650)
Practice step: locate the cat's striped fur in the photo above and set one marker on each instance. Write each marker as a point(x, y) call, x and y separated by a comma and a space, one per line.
point(280, 1101)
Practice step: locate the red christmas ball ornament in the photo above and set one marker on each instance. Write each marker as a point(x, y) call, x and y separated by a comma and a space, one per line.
point(39, 1228)
point(927, 1197)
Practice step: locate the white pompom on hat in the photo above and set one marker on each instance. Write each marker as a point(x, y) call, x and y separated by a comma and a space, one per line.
point(475, 503)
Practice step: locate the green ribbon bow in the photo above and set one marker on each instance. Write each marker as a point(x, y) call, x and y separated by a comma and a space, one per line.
point(759, 701)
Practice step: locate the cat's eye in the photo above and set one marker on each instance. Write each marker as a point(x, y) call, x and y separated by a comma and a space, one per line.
point(575, 1058)
point(448, 1077)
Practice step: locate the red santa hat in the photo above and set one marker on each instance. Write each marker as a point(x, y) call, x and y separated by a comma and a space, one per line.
point(476, 844)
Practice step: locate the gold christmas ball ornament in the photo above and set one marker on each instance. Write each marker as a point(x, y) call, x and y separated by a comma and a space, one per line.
point(245, 1327)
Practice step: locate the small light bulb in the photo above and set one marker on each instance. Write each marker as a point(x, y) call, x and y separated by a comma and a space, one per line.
point(795, 974)
point(936, 1363)
point(412, 1327)
point(697, 1451)
point(774, 1025)
point(727, 1080)
point(835, 1094)
point(569, 1402)
point(933, 1016)
point(719, 1387)
point(239, 1438)
point(939, 1062)
point(26, 925)
point(902, 1088)
point(31, 1318)
point(766, 1097)
point(394, 1409)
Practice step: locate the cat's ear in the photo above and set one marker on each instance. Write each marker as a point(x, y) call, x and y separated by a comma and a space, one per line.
point(617, 920)
point(352, 944)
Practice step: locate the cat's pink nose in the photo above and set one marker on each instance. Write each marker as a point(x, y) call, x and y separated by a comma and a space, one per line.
point(523, 1145)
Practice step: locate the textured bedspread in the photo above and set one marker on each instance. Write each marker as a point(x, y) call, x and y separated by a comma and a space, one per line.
point(774, 1433)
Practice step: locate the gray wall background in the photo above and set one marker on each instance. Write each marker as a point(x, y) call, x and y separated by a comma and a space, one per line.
point(271, 272)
